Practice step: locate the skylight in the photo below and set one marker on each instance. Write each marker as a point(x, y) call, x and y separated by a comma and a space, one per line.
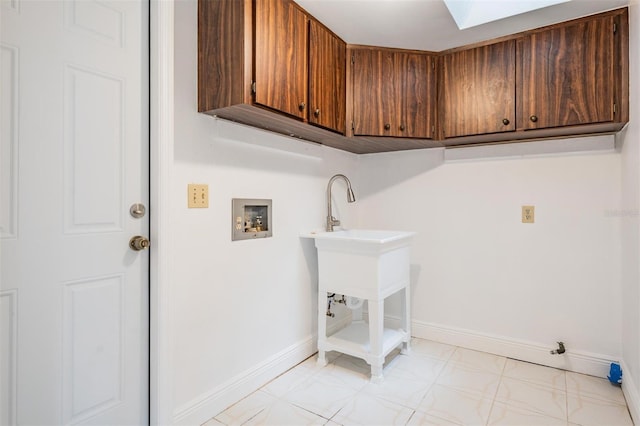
point(469, 13)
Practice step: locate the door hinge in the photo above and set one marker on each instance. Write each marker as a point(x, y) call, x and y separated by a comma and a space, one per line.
point(353, 59)
point(433, 64)
point(253, 87)
point(614, 107)
point(353, 126)
point(615, 28)
point(433, 129)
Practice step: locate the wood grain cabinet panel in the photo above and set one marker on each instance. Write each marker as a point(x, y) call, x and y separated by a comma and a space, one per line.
point(373, 89)
point(417, 95)
point(568, 75)
point(393, 93)
point(281, 57)
point(478, 90)
point(327, 78)
point(224, 61)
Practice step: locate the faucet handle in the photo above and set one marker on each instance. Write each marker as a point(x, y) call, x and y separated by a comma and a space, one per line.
point(331, 222)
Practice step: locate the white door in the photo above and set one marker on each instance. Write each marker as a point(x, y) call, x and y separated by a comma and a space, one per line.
point(73, 159)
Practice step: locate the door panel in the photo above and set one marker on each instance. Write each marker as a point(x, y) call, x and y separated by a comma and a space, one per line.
point(76, 152)
point(281, 57)
point(374, 103)
point(478, 87)
point(417, 78)
point(327, 78)
point(567, 75)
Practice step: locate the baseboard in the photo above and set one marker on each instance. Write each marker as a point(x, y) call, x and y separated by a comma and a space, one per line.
point(631, 393)
point(211, 403)
point(576, 361)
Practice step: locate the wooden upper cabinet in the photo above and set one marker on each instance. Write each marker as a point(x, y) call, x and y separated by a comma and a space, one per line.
point(269, 64)
point(393, 93)
point(327, 78)
point(478, 90)
point(568, 75)
point(281, 56)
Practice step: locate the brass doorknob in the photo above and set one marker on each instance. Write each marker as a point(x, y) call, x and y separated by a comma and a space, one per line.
point(505, 121)
point(387, 126)
point(402, 127)
point(317, 112)
point(302, 106)
point(138, 243)
point(533, 118)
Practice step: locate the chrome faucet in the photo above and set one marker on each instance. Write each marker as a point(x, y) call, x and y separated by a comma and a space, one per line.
point(332, 221)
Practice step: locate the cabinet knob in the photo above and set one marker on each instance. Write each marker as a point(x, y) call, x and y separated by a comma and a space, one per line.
point(317, 112)
point(402, 127)
point(387, 126)
point(505, 121)
point(533, 118)
point(301, 106)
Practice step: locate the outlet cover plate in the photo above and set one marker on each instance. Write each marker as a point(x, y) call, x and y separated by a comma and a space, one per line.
point(198, 196)
point(528, 214)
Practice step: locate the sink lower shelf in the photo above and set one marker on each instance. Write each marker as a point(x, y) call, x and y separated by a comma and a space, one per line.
point(354, 340)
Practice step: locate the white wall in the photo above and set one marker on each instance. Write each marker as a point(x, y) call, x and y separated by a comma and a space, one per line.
point(236, 304)
point(630, 229)
point(479, 273)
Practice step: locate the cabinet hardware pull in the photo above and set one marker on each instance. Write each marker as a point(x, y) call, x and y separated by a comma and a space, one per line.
point(533, 118)
point(301, 106)
point(402, 127)
point(387, 126)
point(505, 121)
point(317, 112)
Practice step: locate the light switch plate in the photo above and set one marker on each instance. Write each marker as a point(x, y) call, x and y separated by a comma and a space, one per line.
point(198, 196)
point(528, 214)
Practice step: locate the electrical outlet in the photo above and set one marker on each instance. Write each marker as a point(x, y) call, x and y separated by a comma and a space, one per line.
point(528, 214)
point(198, 196)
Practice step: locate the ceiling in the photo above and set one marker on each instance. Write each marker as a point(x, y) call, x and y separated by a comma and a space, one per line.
point(427, 24)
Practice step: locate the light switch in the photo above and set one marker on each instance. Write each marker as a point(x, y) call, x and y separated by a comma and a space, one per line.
point(198, 196)
point(528, 214)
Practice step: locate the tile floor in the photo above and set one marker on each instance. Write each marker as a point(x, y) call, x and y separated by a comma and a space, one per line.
point(436, 384)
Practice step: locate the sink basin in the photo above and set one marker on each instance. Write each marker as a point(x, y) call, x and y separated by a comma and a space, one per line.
point(364, 236)
point(369, 264)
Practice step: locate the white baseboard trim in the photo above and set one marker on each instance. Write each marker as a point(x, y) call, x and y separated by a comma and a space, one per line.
point(631, 393)
point(213, 402)
point(576, 361)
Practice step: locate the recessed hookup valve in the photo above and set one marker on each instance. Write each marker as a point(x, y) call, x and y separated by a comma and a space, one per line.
point(560, 349)
point(329, 300)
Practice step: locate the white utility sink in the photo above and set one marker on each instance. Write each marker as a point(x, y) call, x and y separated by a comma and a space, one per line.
point(371, 265)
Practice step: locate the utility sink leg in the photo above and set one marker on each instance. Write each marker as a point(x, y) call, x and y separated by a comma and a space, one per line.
point(377, 378)
point(322, 359)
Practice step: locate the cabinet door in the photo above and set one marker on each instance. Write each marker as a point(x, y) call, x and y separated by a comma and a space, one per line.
point(479, 90)
point(327, 75)
point(281, 56)
point(374, 91)
point(414, 94)
point(567, 75)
